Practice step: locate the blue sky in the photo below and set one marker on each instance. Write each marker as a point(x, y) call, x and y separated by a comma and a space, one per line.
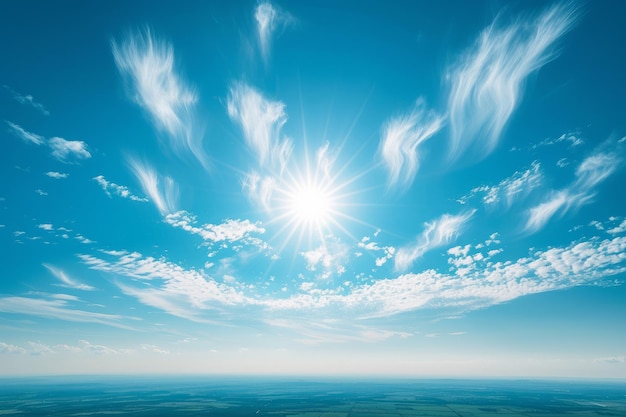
point(397, 188)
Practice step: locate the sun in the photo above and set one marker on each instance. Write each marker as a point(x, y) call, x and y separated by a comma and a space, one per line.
point(310, 204)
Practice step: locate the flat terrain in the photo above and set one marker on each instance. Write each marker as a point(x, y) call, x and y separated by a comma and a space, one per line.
point(166, 396)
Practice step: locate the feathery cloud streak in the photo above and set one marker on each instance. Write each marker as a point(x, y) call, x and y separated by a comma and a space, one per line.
point(261, 121)
point(593, 170)
point(268, 18)
point(25, 135)
point(486, 84)
point(436, 233)
point(401, 137)
point(65, 279)
point(149, 63)
point(29, 100)
point(162, 190)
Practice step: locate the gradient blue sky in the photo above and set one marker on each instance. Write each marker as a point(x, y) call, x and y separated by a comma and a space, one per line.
point(357, 187)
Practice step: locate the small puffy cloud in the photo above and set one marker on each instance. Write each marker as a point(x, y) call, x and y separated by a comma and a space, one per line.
point(57, 175)
point(618, 229)
point(261, 121)
point(25, 135)
point(162, 190)
point(486, 84)
point(229, 231)
point(436, 233)
point(328, 259)
point(67, 151)
point(46, 226)
point(119, 190)
point(149, 65)
point(401, 139)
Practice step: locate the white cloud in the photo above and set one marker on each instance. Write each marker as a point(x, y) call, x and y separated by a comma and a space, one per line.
point(328, 259)
point(618, 229)
point(68, 150)
point(66, 280)
point(401, 138)
point(593, 170)
point(162, 190)
point(486, 84)
point(56, 309)
point(169, 287)
point(269, 18)
point(46, 226)
point(562, 163)
point(57, 175)
point(119, 190)
point(261, 121)
point(230, 231)
point(41, 192)
point(29, 100)
point(149, 64)
point(8, 348)
point(473, 284)
point(260, 189)
point(25, 135)
point(436, 233)
point(572, 138)
point(518, 185)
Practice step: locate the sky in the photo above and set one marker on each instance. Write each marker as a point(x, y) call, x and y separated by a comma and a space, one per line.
point(400, 188)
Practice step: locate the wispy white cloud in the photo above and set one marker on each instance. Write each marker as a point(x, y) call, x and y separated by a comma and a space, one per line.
point(260, 189)
point(437, 233)
point(41, 192)
point(229, 231)
point(268, 19)
point(402, 135)
point(66, 280)
point(169, 287)
point(68, 151)
point(486, 84)
point(573, 139)
point(25, 135)
point(149, 64)
point(469, 284)
point(119, 190)
point(56, 309)
point(261, 121)
point(518, 185)
point(162, 190)
point(57, 175)
point(28, 100)
point(593, 170)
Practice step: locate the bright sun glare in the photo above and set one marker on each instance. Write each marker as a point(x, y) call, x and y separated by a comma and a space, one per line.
point(311, 204)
